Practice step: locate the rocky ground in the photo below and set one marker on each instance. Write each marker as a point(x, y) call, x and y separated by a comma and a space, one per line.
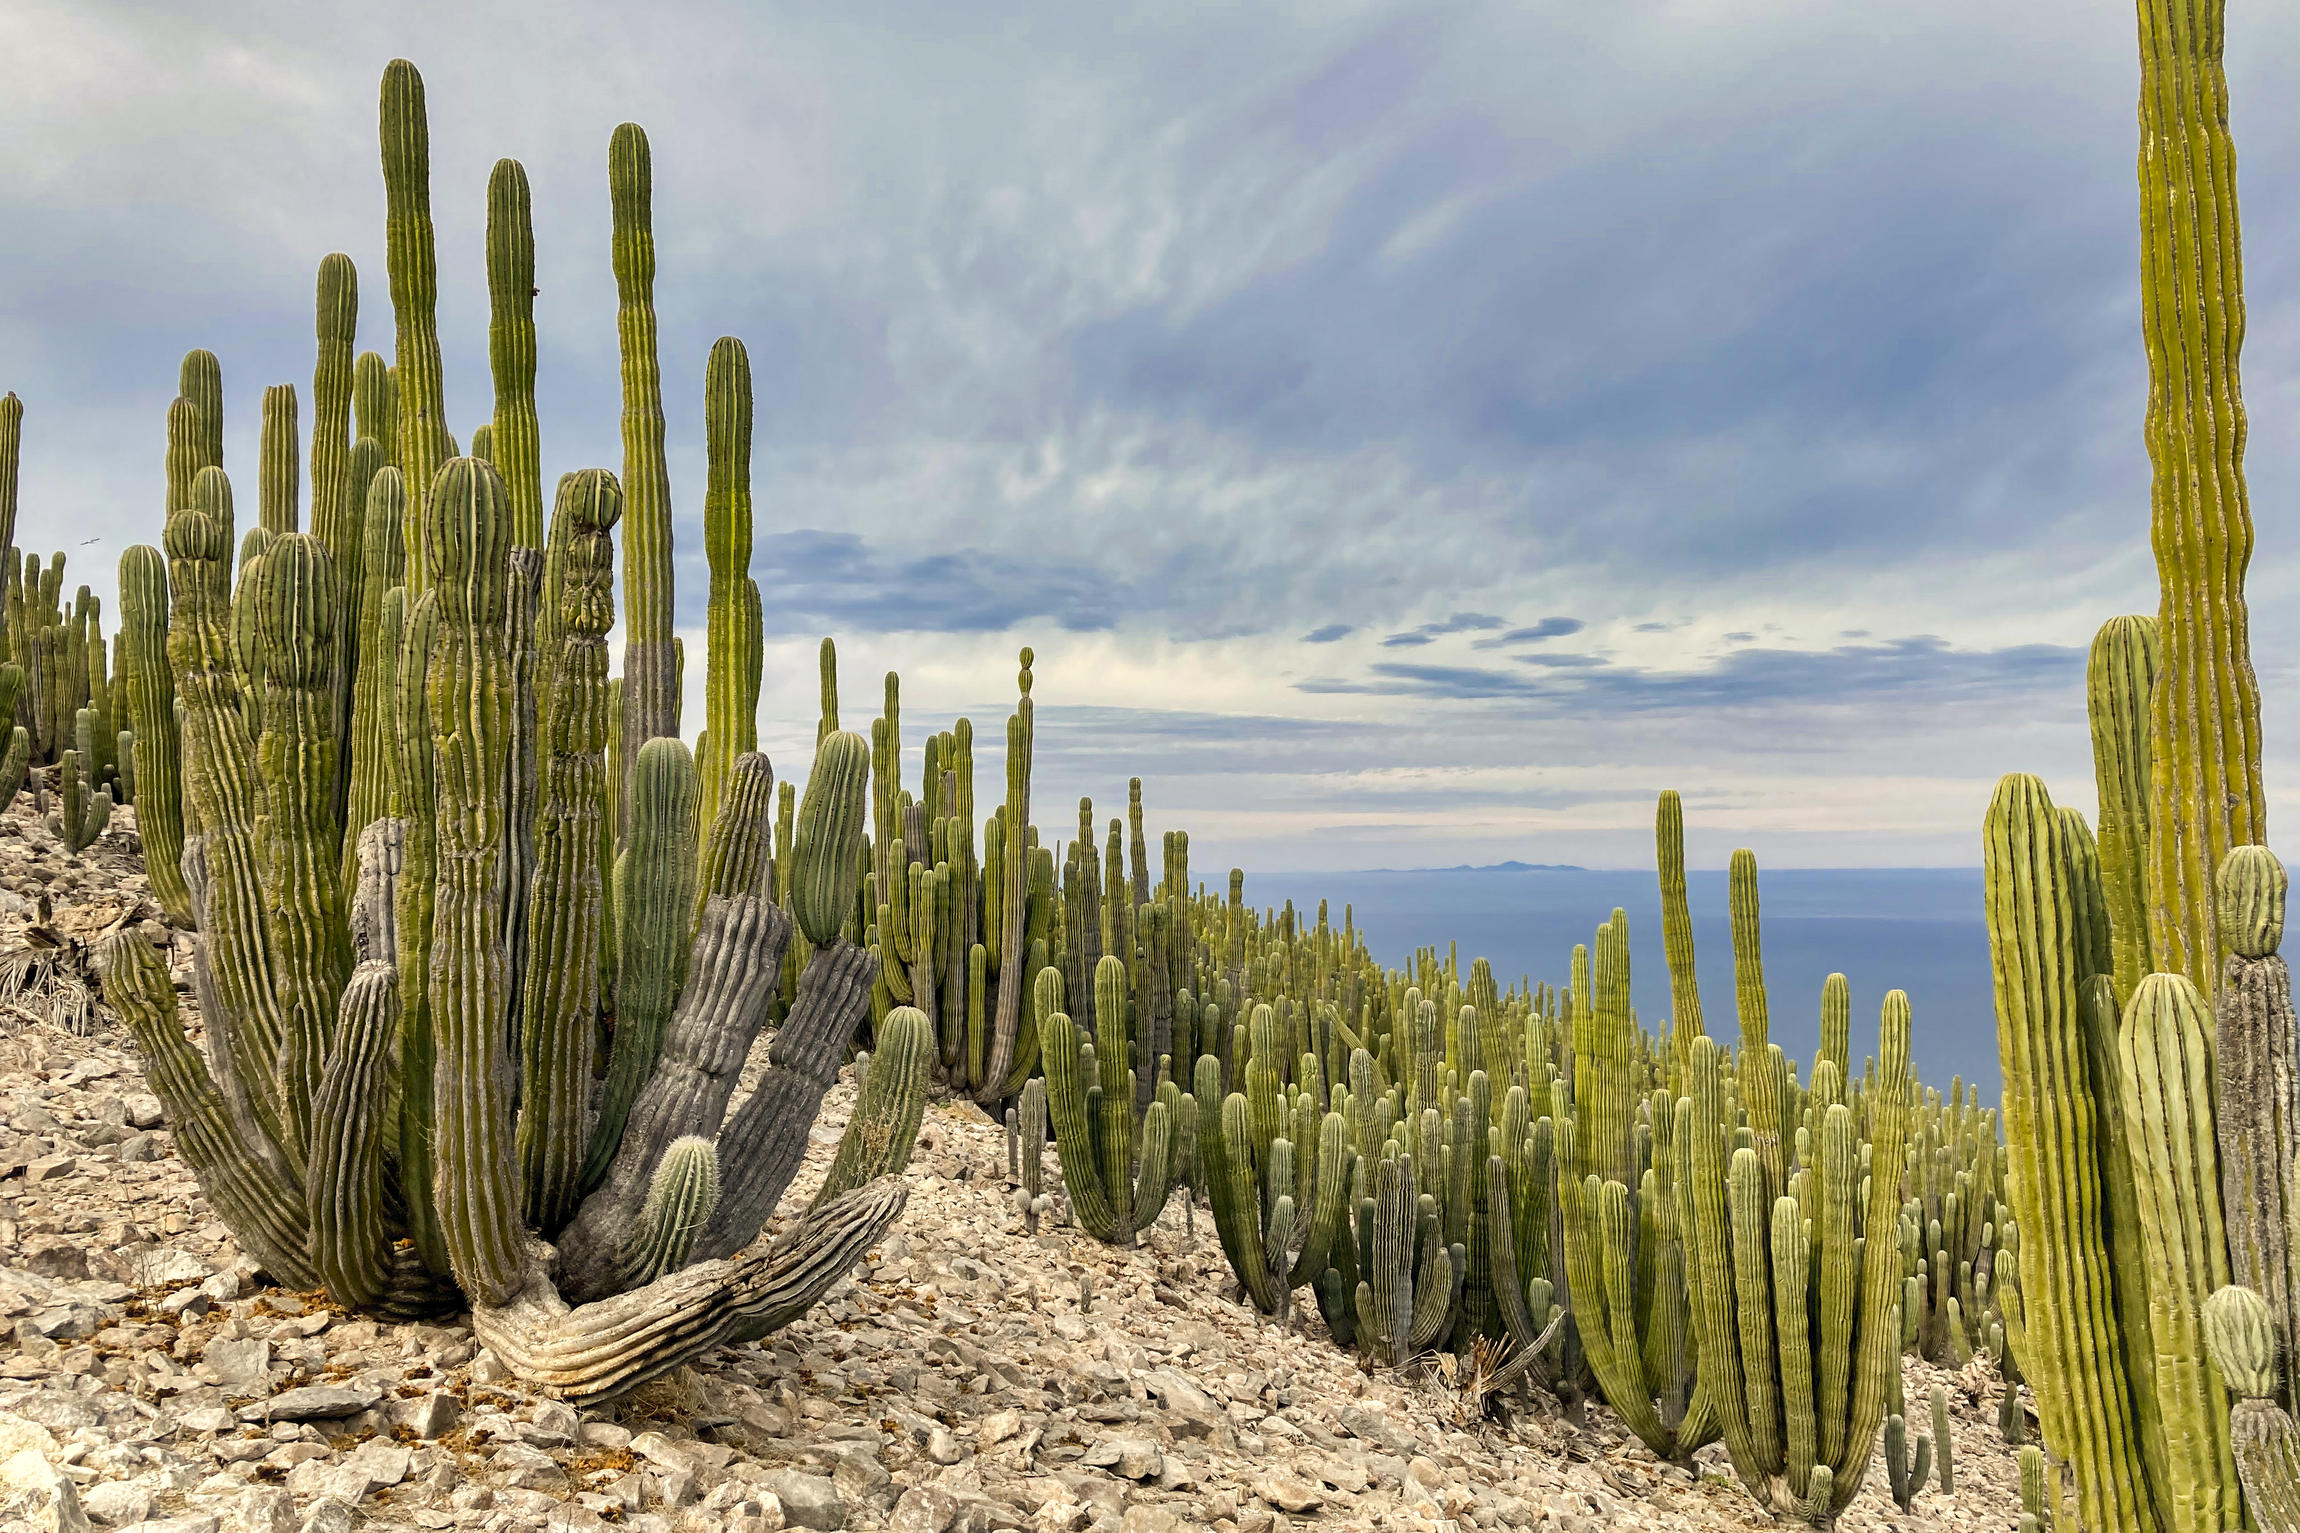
point(969, 1376)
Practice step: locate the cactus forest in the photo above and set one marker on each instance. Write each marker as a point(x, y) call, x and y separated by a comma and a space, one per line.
point(482, 944)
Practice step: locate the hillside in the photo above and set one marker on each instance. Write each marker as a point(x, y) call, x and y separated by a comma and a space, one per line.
point(969, 1376)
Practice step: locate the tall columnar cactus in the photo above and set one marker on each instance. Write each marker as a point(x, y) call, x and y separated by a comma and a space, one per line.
point(418, 408)
point(650, 667)
point(2255, 1077)
point(2240, 1328)
point(2096, 1419)
point(151, 713)
point(1799, 1333)
point(730, 679)
point(2204, 716)
point(374, 742)
point(337, 501)
point(374, 403)
point(1677, 921)
point(515, 441)
point(1761, 1085)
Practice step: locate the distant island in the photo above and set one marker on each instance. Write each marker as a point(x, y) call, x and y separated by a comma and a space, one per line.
point(1493, 867)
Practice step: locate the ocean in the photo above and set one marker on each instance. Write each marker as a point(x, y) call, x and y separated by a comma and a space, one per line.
point(1915, 929)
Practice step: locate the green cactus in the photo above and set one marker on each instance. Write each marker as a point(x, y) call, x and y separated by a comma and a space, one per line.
point(374, 743)
point(279, 480)
point(84, 809)
point(375, 412)
point(2204, 715)
point(2075, 1312)
point(2120, 676)
point(655, 891)
point(560, 1001)
point(650, 681)
point(151, 714)
point(1944, 1441)
point(337, 501)
point(2164, 1053)
point(418, 408)
point(1905, 1474)
point(680, 1202)
point(1799, 1335)
point(1677, 922)
point(889, 1105)
point(358, 1129)
point(11, 462)
point(1090, 1099)
point(733, 659)
point(827, 868)
point(515, 446)
point(2240, 1329)
point(1026, 1128)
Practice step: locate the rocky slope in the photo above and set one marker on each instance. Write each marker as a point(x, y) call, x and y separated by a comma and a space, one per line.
point(968, 1376)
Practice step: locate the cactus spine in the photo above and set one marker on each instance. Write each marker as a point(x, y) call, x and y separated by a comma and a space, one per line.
point(2204, 717)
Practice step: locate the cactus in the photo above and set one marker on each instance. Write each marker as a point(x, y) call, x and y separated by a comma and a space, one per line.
point(828, 848)
point(730, 680)
point(1905, 1474)
point(2164, 1053)
point(514, 444)
point(2254, 1074)
point(417, 410)
point(85, 809)
point(1795, 1369)
point(151, 715)
point(1090, 1100)
point(2120, 676)
point(279, 473)
point(650, 681)
point(2240, 1329)
point(1028, 1128)
point(2075, 1308)
point(2205, 793)
point(11, 462)
point(1944, 1443)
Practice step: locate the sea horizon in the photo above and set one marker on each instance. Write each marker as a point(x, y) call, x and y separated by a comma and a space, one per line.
point(1916, 929)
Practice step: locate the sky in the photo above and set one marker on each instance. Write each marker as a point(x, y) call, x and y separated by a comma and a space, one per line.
point(1407, 435)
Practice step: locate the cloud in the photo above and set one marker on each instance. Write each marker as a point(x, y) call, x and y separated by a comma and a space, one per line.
point(1921, 671)
point(1329, 633)
point(1547, 628)
point(1460, 622)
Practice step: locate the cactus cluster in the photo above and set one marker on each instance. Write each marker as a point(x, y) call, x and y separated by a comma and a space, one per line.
point(57, 715)
point(379, 788)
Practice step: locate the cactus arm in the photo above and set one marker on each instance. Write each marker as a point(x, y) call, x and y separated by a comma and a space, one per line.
point(515, 437)
point(414, 801)
point(220, 774)
point(468, 693)
point(1677, 922)
point(2166, 1078)
point(2206, 794)
point(737, 954)
point(2120, 674)
point(762, 1144)
point(731, 660)
point(650, 688)
point(418, 409)
point(1070, 1079)
point(658, 871)
point(559, 1000)
point(151, 710)
point(680, 1201)
point(888, 1108)
point(279, 481)
point(374, 744)
point(2072, 1343)
point(262, 1206)
point(597, 1351)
